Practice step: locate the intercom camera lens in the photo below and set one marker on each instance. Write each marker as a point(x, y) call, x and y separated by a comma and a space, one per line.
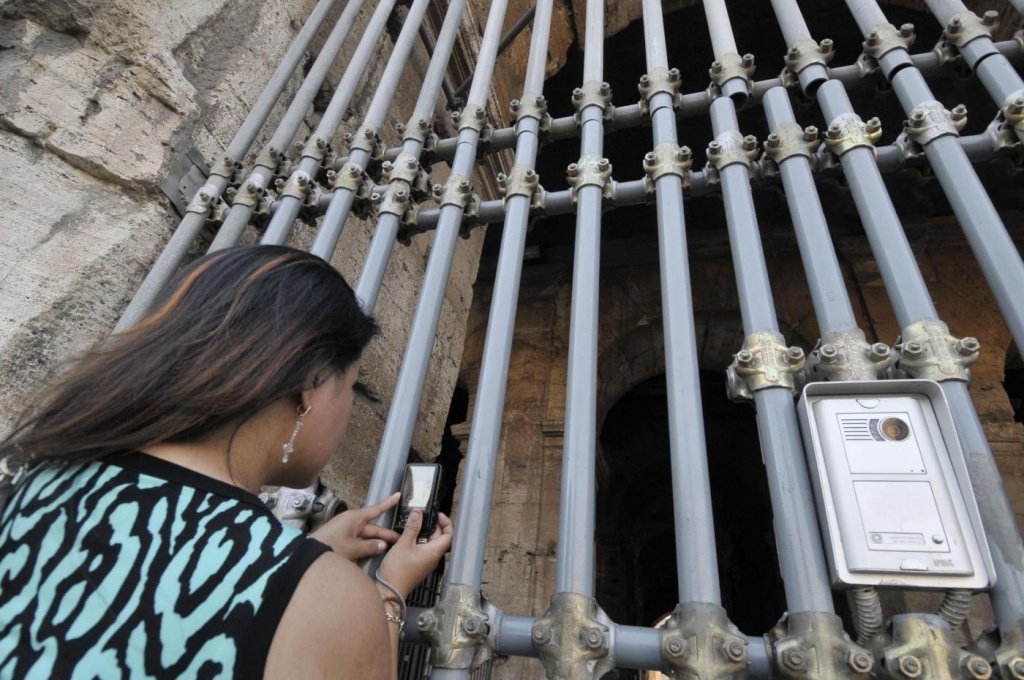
point(895, 429)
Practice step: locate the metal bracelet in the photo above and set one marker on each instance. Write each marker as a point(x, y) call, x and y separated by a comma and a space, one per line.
point(848, 356)
point(814, 646)
point(458, 628)
point(805, 52)
point(1013, 110)
point(574, 638)
point(847, 131)
point(470, 118)
point(661, 79)
point(927, 350)
point(885, 38)
point(922, 646)
point(930, 120)
point(203, 200)
point(732, 147)
point(731, 66)
point(764, 362)
point(789, 139)
point(964, 27)
point(394, 200)
point(456, 191)
point(699, 641)
point(532, 105)
point(417, 129)
point(349, 177)
point(522, 180)
point(668, 158)
point(593, 93)
point(405, 167)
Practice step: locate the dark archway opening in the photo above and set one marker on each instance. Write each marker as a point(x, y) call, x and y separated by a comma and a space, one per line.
point(1013, 382)
point(636, 578)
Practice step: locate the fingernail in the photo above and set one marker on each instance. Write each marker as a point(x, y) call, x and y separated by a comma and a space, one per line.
point(415, 513)
point(381, 546)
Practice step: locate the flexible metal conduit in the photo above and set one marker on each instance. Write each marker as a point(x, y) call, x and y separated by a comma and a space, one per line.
point(256, 184)
point(696, 556)
point(300, 180)
point(177, 247)
point(372, 275)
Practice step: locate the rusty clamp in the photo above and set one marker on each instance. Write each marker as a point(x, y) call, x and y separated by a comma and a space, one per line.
point(731, 66)
point(732, 147)
point(458, 628)
point(470, 118)
point(405, 168)
point(226, 167)
point(885, 38)
point(930, 120)
point(660, 79)
point(532, 105)
point(668, 158)
point(316, 147)
point(848, 356)
point(270, 158)
point(814, 646)
point(927, 350)
point(349, 177)
point(249, 193)
point(417, 128)
point(964, 27)
point(593, 93)
point(764, 362)
point(922, 646)
point(699, 641)
point(805, 52)
point(365, 139)
point(297, 186)
point(1013, 109)
point(394, 200)
point(789, 139)
point(456, 191)
point(522, 180)
point(590, 169)
point(574, 638)
point(203, 200)
point(847, 131)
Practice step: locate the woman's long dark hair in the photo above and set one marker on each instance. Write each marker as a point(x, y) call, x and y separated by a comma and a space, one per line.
point(236, 331)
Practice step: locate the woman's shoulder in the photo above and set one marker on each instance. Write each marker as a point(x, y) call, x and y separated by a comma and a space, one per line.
point(334, 623)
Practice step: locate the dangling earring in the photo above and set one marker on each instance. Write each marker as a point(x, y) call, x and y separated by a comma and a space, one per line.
point(289, 445)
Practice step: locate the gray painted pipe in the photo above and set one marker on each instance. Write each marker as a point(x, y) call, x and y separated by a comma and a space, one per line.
point(238, 216)
point(398, 430)
point(334, 220)
point(281, 224)
point(723, 42)
point(574, 571)
point(465, 566)
point(801, 557)
point(177, 247)
point(696, 555)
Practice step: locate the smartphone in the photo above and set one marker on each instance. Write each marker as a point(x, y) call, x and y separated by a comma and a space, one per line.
point(421, 488)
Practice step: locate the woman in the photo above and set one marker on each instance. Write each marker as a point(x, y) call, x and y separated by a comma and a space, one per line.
point(135, 544)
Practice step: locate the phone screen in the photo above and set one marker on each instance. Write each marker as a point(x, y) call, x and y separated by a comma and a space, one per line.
point(421, 481)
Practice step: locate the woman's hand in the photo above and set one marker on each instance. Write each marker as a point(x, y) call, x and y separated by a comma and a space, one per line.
point(353, 534)
point(409, 562)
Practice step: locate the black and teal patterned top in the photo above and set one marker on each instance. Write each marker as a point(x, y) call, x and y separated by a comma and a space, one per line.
point(141, 568)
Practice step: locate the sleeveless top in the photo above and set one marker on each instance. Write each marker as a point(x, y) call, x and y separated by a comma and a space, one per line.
point(136, 567)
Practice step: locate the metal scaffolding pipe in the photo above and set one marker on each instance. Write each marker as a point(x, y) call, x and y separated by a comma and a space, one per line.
point(449, 94)
point(696, 555)
point(344, 196)
point(576, 524)
point(281, 224)
point(372, 276)
point(177, 247)
point(506, 40)
point(238, 216)
point(723, 43)
point(398, 429)
point(801, 558)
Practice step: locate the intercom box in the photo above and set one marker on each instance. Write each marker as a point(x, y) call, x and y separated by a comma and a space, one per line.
point(894, 499)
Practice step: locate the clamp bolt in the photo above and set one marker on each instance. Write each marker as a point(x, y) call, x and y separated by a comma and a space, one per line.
point(714, 148)
point(744, 357)
point(793, 53)
point(645, 81)
point(873, 125)
point(968, 346)
point(437, 189)
point(716, 67)
point(828, 353)
point(794, 659)
point(273, 152)
point(603, 164)
point(402, 195)
point(410, 163)
point(464, 186)
point(427, 621)
point(605, 89)
point(959, 112)
point(826, 46)
point(502, 179)
point(540, 101)
point(674, 647)
point(385, 166)
point(794, 355)
point(978, 668)
point(540, 633)
point(913, 350)
point(353, 171)
point(572, 170)
point(872, 38)
point(321, 143)
point(673, 75)
point(835, 130)
point(479, 113)
point(400, 128)
point(252, 188)
point(368, 133)
point(204, 197)
point(331, 174)
point(990, 18)
point(773, 140)
point(594, 638)
point(422, 123)
point(879, 351)
point(473, 625)
point(748, 60)
point(513, 105)
point(859, 662)
point(577, 94)
point(907, 30)
point(735, 651)
point(279, 182)
point(749, 143)
point(302, 180)
point(954, 25)
point(649, 158)
point(917, 119)
point(1016, 667)
point(683, 154)
point(376, 197)
point(1016, 107)
point(810, 133)
point(909, 666)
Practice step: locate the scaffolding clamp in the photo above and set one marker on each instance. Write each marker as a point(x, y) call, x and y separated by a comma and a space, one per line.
point(847, 131)
point(789, 139)
point(270, 158)
point(532, 105)
point(203, 200)
point(589, 169)
point(930, 120)
point(922, 646)
point(297, 186)
point(593, 93)
point(764, 362)
point(732, 147)
point(806, 52)
point(1012, 110)
point(813, 646)
point(249, 193)
point(349, 177)
point(1004, 646)
point(226, 167)
point(847, 355)
point(885, 38)
point(456, 191)
point(964, 27)
point(699, 641)
point(668, 158)
point(574, 638)
point(927, 350)
point(417, 128)
point(459, 628)
point(522, 180)
point(405, 168)
point(394, 200)
point(660, 79)
point(474, 118)
point(731, 66)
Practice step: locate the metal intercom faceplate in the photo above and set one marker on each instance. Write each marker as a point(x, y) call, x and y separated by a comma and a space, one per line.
point(892, 489)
